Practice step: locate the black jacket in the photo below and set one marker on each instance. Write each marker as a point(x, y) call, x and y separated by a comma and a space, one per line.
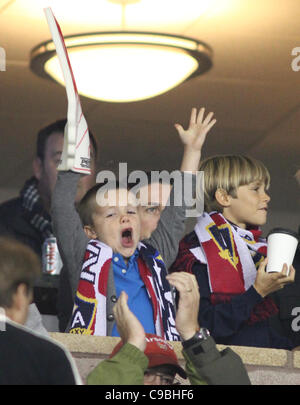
point(14, 224)
point(31, 359)
point(288, 301)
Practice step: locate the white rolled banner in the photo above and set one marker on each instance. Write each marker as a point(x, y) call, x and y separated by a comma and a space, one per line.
point(76, 150)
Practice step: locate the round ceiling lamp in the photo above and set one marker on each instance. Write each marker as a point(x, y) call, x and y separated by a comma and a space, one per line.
point(125, 66)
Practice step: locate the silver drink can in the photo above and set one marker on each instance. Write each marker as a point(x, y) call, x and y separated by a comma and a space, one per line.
point(52, 262)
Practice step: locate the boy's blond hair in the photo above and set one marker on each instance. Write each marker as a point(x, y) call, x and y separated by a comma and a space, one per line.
point(228, 172)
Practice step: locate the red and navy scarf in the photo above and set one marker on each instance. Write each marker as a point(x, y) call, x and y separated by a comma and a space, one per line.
point(232, 256)
point(89, 314)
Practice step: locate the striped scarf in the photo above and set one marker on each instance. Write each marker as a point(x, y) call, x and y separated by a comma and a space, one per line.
point(33, 210)
point(232, 256)
point(89, 315)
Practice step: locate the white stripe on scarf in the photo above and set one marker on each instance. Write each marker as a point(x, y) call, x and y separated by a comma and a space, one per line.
point(248, 266)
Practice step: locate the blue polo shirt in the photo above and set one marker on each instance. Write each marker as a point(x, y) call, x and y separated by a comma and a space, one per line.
point(127, 278)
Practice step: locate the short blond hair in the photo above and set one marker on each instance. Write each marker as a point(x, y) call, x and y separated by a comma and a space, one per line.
point(228, 172)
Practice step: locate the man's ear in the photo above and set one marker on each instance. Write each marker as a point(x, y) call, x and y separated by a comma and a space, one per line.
point(37, 166)
point(223, 198)
point(90, 232)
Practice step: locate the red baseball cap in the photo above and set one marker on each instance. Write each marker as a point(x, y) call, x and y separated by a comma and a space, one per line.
point(159, 352)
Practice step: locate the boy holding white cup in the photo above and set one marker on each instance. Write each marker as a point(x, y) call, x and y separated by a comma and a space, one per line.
point(228, 256)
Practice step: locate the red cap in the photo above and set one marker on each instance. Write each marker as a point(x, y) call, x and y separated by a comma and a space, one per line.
point(159, 352)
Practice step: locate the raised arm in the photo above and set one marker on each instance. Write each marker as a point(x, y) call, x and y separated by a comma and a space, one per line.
point(194, 137)
point(126, 367)
point(171, 226)
point(71, 238)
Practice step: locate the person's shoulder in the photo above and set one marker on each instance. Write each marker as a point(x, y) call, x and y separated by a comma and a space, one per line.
point(47, 354)
point(33, 341)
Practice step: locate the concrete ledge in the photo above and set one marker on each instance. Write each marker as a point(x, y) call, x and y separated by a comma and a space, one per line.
point(264, 366)
point(297, 360)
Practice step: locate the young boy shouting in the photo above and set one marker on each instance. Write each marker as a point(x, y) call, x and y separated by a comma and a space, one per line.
point(227, 255)
point(109, 254)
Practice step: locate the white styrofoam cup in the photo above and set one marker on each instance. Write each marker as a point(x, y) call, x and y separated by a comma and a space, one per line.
point(282, 245)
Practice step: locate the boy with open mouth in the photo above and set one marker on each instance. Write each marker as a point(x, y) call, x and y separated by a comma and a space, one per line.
point(109, 252)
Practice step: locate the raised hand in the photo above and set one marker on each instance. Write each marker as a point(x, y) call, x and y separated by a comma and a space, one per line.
point(194, 137)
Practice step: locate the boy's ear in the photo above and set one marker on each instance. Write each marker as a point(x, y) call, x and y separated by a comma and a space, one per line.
point(90, 232)
point(37, 166)
point(223, 198)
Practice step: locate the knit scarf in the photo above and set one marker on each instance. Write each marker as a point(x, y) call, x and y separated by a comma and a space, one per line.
point(232, 256)
point(89, 315)
point(33, 210)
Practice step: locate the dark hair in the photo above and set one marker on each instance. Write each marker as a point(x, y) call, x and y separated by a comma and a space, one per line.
point(147, 180)
point(85, 207)
point(57, 126)
point(18, 265)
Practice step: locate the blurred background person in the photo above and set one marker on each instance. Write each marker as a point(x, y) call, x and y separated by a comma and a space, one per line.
point(27, 358)
point(27, 218)
point(140, 359)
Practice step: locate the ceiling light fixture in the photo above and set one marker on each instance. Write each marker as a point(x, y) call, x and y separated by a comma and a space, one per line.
point(124, 66)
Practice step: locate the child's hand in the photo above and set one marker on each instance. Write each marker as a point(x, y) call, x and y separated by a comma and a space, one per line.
point(266, 283)
point(194, 137)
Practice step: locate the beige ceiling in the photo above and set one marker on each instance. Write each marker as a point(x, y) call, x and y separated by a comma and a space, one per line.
point(252, 88)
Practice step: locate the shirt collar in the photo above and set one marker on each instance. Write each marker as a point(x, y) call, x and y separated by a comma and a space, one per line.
point(131, 260)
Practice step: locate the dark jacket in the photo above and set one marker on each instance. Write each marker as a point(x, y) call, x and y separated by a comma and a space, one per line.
point(228, 320)
point(31, 359)
point(14, 224)
point(287, 322)
point(205, 364)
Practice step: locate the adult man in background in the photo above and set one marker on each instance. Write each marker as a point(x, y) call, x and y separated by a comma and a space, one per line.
point(27, 217)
